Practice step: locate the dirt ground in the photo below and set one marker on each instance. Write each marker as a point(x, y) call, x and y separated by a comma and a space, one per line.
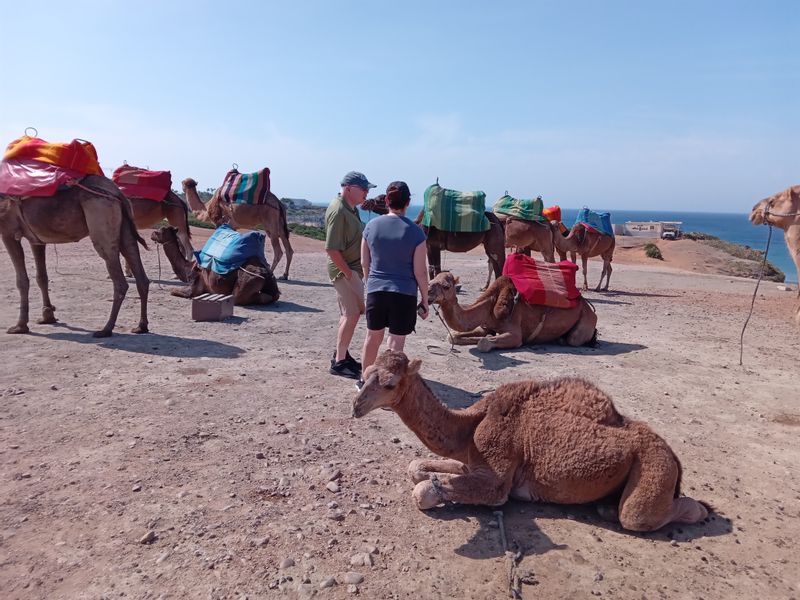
point(220, 460)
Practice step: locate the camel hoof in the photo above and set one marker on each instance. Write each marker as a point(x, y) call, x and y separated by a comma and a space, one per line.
point(140, 329)
point(284, 277)
point(103, 333)
point(425, 495)
point(18, 329)
point(485, 345)
point(48, 316)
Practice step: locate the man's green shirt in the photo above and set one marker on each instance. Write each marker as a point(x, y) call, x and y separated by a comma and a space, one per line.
point(343, 229)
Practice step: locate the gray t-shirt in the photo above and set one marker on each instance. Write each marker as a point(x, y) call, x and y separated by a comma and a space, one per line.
point(392, 240)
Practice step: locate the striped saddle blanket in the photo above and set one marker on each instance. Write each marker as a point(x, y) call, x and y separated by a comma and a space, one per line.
point(141, 183)
point(521, 208)
point(449, 210)
point(227, 249)
point(538, 282)
point(33, 167)
point(244, 188)
point(594, 221)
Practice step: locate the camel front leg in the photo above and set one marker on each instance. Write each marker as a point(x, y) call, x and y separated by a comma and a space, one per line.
point(585, 264)
point(42, 280)
point(434, 261)
point(14, 248)
point(506, 339)
point(421, 469)
point(477, 487)
point(468, 338)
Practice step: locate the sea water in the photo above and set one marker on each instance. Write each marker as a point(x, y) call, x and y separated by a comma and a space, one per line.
point(731, 227)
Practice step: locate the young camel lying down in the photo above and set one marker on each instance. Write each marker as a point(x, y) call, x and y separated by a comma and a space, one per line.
point(559, 441)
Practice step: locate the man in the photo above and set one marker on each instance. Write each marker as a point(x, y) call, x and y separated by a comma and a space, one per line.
point(343, 229)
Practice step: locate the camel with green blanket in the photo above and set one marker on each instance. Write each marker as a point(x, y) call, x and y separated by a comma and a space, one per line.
point(271, 216)
point(456, 221)
point(252, 283)
point(498, 319)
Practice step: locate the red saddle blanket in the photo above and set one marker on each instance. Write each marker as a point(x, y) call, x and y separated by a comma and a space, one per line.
point(549, 284)
point(34, 167)
point(141, 183)
point(246, 188)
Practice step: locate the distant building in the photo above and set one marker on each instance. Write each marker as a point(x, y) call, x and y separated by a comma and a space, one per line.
point(652, 229)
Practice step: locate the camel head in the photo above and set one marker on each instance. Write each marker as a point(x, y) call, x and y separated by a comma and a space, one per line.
point(166, 235)
point(377, 205)
point(443, 288)
point(385, 382)
point(774, 210)
point(188, 183)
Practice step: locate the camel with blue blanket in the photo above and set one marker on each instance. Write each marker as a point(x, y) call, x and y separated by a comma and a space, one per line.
point(591, 235)
point(229, 263)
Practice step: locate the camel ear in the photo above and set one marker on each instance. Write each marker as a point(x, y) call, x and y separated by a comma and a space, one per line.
point(457, 279)
point(413, 366)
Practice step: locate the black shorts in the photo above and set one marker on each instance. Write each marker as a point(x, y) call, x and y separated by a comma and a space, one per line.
point(394, 310)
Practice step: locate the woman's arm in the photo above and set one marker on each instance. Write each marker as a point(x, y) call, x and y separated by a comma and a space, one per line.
point(421, 275)
point(365, 258)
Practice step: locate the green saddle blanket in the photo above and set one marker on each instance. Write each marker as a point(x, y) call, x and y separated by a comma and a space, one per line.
point(529, 210)
point(449, 210)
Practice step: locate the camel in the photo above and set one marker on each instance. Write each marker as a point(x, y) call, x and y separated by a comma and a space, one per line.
point(493, 241)
point(588, 244)
point(253, 283)
point(533, 235)
point(559, 441)
point(148, 213)
point(246, 215)
point(498, 320)
point(783, 210)
point(94, 207)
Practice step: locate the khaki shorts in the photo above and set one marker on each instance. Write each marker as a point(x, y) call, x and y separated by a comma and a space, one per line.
point(350, 295)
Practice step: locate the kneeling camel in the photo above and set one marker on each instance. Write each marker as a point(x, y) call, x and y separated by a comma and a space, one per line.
point(252, 283)
point(498, 320)
point(559, 441)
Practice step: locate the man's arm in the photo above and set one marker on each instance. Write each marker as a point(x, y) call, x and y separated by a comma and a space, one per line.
point(365, 258)
point(341, 263)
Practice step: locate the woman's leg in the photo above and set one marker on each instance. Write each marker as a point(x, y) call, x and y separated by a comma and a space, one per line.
point(396, 342)
point(372, 341)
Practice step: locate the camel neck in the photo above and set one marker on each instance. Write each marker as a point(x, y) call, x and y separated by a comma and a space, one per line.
point(443, 431)
point(464, 319)
point(193, 198)
point(172, 251)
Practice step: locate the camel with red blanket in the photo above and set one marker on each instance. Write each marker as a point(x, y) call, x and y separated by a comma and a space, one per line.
point(501, 319)
point(57, 193)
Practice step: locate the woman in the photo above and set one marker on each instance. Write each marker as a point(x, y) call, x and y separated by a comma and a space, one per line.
point(393, 258)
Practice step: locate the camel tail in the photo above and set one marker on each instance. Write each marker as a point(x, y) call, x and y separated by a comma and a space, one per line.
point(127, 217)
point(284, 220)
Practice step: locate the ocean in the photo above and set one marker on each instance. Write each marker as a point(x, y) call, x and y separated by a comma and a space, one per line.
point(730, 227)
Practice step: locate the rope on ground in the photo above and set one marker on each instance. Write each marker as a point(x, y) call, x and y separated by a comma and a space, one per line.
point(430, 347)
point(512, 560)
point(752, 303)
point(158, 254)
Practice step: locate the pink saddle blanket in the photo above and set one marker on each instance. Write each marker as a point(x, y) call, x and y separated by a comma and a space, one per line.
point(548, 284)
point(141, 183)
point(28, 177)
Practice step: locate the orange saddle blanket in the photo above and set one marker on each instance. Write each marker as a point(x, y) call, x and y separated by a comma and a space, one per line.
point(141, 183)
point(34, 167)
point(539, 282)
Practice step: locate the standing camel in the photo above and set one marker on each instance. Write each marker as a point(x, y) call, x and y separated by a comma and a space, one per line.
point(493, 240)
point(588, 243)
point(148, 213)
point(94, 207)
point(532, 235)
point(783, 210)
point(559, 441)
point(272, 216)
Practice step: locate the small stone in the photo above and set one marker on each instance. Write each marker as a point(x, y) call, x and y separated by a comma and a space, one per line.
point(109, 434)
point(136, 488)
point(336, 515)
point(352, 589)
point(162, 558)
point(286, 563)
point(282, 430)
point(673, 543)
point(14, 446)
point(353, 578)
point(260, 455)
point(371, 549)
point(148, 538)
point(362, 559)
point(261, 542)
point(262, 421)
point(331, 474)
point(53, 387)
point(327, 582)
point(395, 440)
point(332, 486)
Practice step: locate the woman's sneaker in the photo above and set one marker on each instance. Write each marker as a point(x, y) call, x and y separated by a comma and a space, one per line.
point(344, 368)
point(359, 384)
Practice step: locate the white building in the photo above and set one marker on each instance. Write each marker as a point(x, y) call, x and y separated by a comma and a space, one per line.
point(650, 229)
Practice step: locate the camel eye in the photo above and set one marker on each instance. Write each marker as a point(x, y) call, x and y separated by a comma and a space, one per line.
point(390, 386)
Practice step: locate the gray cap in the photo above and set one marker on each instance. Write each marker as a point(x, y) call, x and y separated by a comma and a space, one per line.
point(357, 179)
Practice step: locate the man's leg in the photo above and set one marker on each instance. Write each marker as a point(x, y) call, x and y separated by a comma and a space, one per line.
point(347, 327)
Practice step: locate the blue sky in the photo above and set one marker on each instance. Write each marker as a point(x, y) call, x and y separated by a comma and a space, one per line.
point(627, 105)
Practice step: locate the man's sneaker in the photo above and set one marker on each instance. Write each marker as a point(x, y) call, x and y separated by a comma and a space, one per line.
point(347, 358)
point(345, 369)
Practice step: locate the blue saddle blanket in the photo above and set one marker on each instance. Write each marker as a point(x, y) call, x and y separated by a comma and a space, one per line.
point(600, 222)
point(227, 249)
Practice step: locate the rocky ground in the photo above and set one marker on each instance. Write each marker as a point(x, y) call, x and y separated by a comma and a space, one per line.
point(219, 460)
